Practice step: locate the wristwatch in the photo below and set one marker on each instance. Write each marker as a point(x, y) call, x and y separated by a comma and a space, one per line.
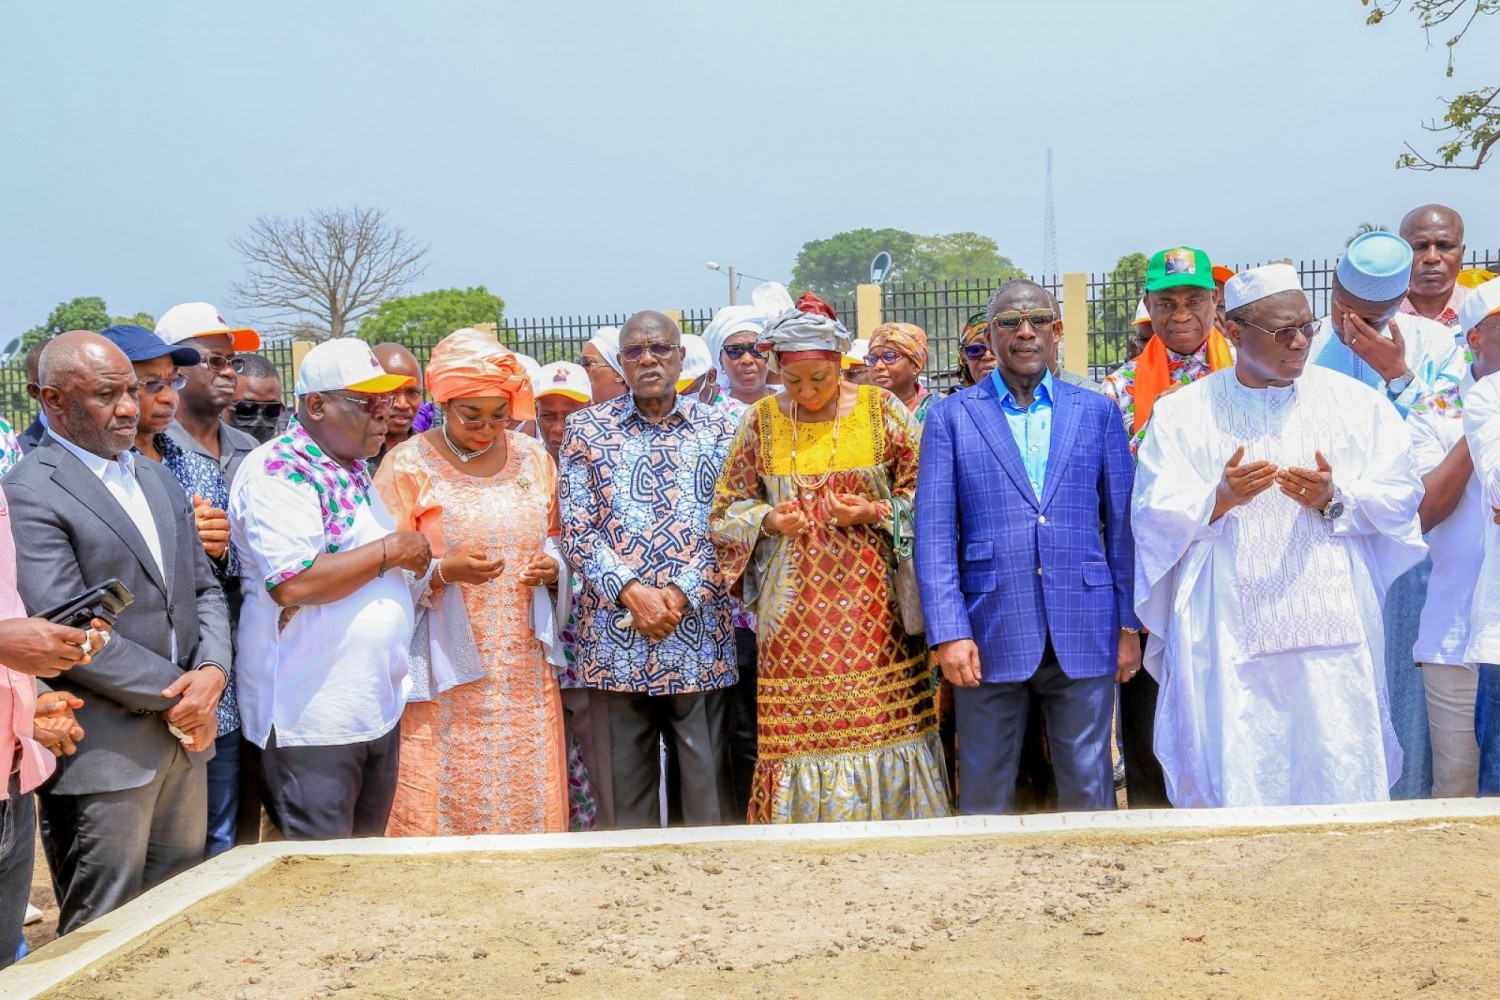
point(1397, 386)
point(1335, 507)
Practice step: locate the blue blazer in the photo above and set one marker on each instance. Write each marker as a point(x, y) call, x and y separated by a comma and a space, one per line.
point(999, 566)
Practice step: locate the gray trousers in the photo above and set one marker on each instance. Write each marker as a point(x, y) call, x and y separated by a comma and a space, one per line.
point(992, 725)
point(17, 854)
point(628, 728)
point(107, 848)
point(332, 792)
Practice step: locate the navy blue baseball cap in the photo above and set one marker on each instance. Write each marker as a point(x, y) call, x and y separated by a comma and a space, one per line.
point(140, 344)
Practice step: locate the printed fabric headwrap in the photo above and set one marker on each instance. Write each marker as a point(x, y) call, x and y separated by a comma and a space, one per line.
point(469, 363)
point(297, 458)
point(1153, 372)
point(905, 338)
point(809, 329)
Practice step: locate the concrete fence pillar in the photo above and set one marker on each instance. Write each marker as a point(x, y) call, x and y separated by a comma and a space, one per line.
point(1075, 309)
point(867, 305)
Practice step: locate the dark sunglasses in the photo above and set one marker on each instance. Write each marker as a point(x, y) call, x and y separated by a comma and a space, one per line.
point(216, 363)
point(660, 352)
point(249, 409)
point(976, 351)
point(1011, 319)
point(379, 403)
point(737, 351)
point(1286, 334)
point(156, 385)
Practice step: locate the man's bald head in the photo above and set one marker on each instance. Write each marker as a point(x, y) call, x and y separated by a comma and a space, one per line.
point(88, 388)
point(1436, 235)
point(651, 321)
point(1428, 215)
point(397, 360)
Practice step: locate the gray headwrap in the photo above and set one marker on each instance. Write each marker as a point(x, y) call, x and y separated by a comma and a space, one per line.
point(795, 330)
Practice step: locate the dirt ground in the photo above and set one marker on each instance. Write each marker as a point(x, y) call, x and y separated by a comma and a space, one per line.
point(1367, 912)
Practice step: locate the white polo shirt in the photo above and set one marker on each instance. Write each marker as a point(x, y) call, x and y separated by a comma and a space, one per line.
point(337, 674)
point(1444, 631)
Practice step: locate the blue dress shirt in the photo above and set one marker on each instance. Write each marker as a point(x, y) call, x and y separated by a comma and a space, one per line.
point(1030, 427)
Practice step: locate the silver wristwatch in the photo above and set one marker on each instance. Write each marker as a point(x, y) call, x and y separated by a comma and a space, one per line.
point(1397, 386)
point(1334, 509)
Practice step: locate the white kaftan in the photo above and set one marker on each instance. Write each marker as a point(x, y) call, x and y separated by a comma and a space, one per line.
point(1265, 625)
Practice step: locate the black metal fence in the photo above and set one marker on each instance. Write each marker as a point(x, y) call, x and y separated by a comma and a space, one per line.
point(939, 308)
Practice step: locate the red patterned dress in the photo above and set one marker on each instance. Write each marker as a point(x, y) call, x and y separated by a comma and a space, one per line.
point(846, 720)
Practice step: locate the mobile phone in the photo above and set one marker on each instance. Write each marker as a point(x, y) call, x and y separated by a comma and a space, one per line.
point(104, 602)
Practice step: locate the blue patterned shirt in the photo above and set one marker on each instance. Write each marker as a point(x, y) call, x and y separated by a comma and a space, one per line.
point(634, 501)
point(199, 475)
point(1031, 427)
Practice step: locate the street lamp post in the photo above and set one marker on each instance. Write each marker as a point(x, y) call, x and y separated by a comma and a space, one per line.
point(729, 270)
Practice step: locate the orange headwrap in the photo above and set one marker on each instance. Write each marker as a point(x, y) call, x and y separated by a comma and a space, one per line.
point(1153, 372)
point(469, 363)
point(905, 338)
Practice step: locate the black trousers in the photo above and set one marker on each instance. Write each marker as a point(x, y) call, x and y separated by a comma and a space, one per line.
point(1145, 786)
point(331, 792)
point(744, 738)
point(630, 756)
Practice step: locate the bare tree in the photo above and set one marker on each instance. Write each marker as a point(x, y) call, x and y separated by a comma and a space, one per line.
point(329, 269)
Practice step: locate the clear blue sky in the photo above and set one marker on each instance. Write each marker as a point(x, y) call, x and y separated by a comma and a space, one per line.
point(586, 156)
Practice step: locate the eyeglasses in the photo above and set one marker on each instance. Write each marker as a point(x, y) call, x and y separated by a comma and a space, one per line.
point(250, 409)
point(1286, 334)
point(585, 362)
point(883, 357)
point(376, 404)
point(216, 363)
point(156, 385)
point(737, 351)
point(660, 352)
point(1011, 319)
point(976, 351)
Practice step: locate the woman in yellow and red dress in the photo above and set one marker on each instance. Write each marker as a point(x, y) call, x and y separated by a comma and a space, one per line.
point(817, 479)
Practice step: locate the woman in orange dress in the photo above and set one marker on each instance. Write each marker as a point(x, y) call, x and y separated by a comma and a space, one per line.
point(489, 755)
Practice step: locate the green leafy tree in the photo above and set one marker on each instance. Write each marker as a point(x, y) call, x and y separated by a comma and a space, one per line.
point(426, 318)
point(83, 313)
point(1471, 122)
point(959, 257)
point(1112, 310)
point(832, 267)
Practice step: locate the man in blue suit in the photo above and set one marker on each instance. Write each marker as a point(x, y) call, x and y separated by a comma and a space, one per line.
point(1026, 561)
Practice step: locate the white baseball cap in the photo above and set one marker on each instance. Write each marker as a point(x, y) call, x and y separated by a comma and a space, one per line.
point(563, 378)
point(200, 319)
point(1482, 301)
point(345, 363)
point(695, 361)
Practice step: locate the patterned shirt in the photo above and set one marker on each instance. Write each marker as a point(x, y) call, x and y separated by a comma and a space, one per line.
point(1449, 316)
point(199, 475)
point(635, 498)
point(737, 410)
point(1119, 385)
point(10, 447)
point(1432, 355)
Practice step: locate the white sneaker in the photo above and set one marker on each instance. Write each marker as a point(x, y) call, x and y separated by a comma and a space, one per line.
point(33, 915)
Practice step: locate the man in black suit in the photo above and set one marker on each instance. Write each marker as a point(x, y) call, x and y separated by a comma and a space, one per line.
point(129, 809)
point(32, 436)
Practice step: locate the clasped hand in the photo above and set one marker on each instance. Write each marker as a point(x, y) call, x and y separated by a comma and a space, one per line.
point(837, 510)
point(654, 611)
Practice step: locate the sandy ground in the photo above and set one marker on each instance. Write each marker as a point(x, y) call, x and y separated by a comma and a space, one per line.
point(1369, 912)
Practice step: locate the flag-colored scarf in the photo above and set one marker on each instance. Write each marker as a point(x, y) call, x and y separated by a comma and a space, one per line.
point(1153, 372)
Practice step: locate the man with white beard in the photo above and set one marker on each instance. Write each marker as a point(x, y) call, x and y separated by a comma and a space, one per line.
point(1274, 504)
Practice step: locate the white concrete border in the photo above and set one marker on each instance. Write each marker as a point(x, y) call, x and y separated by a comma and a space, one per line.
point(129, 926)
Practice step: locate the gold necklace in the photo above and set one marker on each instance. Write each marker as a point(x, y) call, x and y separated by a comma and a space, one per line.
point(809, 485)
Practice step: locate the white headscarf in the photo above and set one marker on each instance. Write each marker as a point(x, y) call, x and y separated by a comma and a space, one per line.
point(767, 301)
point(607, 342)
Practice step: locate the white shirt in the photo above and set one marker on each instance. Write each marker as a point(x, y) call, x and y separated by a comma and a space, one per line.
point(118, 476)
point(1482, 428)
point(337, 674)
point(1444, 632)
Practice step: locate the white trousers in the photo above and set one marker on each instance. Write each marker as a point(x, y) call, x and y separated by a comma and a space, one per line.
point(1451, 692)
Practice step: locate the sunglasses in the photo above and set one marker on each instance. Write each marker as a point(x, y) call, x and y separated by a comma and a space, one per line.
point(1286, 334)
point(976, 351)
point(156, 385)
point(216, 363)
point(1011, 319)
point(660, 352)
point(884, 357)
point(377, 404)
point(737, 351)
point(249, 409)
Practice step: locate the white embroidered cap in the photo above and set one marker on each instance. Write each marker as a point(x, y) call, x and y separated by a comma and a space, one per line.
point(1256, 283)
point(1483, 301)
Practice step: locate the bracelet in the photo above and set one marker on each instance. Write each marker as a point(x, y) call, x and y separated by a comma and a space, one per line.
point(441, 578)
point(382, 560)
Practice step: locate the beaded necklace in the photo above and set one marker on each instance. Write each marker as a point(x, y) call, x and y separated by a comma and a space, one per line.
point(810, 484)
